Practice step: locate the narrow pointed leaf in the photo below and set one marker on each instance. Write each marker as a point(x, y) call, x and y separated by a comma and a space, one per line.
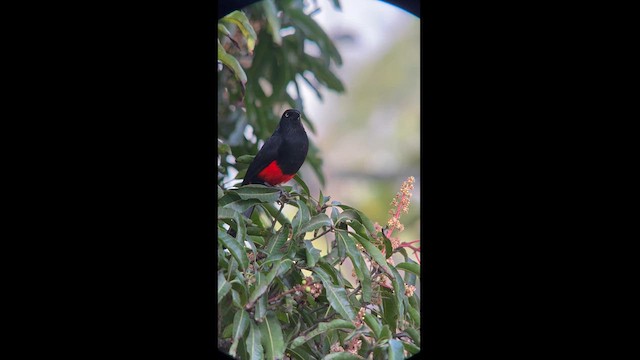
point(414, 315)
point(261, 308)
point(276, 213)
point(313, 254)
point(242, 205)
point(411, 348)
point(302, 184)
point(399, 290)
point(395, 350)
point(415, 335)
point(272, 20)
point(300, 353)
point(301, 217)
point(276, 241)
point(254, 343)
point(223, 287)
point(385, 333)
point(373, 251)
point(322, 328)
point(359, 264)
point(265, 281)
point(364, 220)
point(231, 63)
point(239, 19)
point(374, 324)
point(389, 310)
point(336, 295)
point(236, 250)
point(412, 267)
point(259, 192)
point(315, 222)
point(240, 324)
point(272, 338)
point(342, 356)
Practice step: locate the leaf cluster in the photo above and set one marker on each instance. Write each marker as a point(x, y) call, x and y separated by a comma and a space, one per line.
point(264, 310)
point(265, 53)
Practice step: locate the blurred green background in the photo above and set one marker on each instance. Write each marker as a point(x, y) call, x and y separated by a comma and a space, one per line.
point(369, 136)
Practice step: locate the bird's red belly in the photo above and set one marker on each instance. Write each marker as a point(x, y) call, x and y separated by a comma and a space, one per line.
point(273, 175)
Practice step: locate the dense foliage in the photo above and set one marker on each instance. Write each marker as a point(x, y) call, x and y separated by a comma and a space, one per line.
point(278, 295)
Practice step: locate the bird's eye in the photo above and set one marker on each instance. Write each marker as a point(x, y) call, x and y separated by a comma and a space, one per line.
point(286, 114)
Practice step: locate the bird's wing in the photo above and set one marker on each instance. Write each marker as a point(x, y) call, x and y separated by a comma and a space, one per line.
point(267, 154)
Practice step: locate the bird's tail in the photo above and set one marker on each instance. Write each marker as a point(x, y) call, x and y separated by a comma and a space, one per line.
point(247, 214)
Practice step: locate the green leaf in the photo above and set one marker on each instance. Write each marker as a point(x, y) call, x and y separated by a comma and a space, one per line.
point(389, 309)
point(374, 252)
point(276, 213)
point(272, 339)
point(335, 275)
point(231, 63)
point(346, 215)
point(242, 205)
point(411, 348)
point(385, 333)
point(315, 33)
point(302, 184)
point(374, 324)
point(359, 264)
point(323, 327)
point(227, 332)
point(226, 213)
point(236, 250)
point(239, 219)
point(254, 343)
point(240, 324)
point(323, 74)
point(313, 254)
point(315, 222)
point(415, 335)
point(342, 356)
point(399, 290)
point(388, 248)
point(223, 286)
point(279, 269)
point(301, 353)
point(239, 19)
point(261, 308)
point(412, 267)
point(336, 295)
point(223, 30)
point(276, 241)
point(301, 217)
point(238, 300)
point(395, 350)
point(272, 20)
point(260, 192)
point(360, 230)
point(262, 284)
point(245, 159)
point(414, 315)
point(227, 198)
point(220, 192)
point(341, 241)
point(364, 220)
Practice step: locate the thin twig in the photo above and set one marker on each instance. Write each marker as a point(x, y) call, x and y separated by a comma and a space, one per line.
point(274, 219)
point(327, 231)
